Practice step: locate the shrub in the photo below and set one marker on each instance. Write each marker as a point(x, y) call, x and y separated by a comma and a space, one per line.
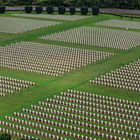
point(2, 9)
point(72, 10)
point(61, 10)
point(95, 10)
point(5, 137)
point(39, 10)
point(50, 9)
point(28, 9)
point(84, 10)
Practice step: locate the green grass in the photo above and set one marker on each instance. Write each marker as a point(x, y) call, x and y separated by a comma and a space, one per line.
point(48, 86)
point(5, 36)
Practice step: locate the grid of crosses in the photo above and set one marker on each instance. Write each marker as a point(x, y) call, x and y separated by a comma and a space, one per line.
point(47, 59)
point(76, 115)
point(19, 25)
point(127, 77)
point(120, 24)
point(108, 38)
point(54, 17)
point(10, 85)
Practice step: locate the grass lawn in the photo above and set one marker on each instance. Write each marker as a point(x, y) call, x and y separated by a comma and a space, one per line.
point(48, 86)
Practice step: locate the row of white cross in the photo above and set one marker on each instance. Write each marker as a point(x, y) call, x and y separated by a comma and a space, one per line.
point(91, 36)
point(124, 24)
point(127, 77)
point(20, 25)
point(11, 85)
point(54, 17)
point(16, 134)
point(47, 59)
point(67, 117)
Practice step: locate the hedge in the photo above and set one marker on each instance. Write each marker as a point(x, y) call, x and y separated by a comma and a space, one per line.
point(50, 9)
point(61, 10)
point(39, 10)
point(84, 10)
point(72, 10)
point(2, 9)
point(95, 10)
point(28, 9)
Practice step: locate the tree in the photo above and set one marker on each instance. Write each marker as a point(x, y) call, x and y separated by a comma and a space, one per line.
point(68, 2)
point(40, 2)
point(57, 2)
point(129, 4)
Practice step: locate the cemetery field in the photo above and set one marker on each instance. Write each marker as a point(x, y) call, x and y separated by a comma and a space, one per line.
point(48, 85)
